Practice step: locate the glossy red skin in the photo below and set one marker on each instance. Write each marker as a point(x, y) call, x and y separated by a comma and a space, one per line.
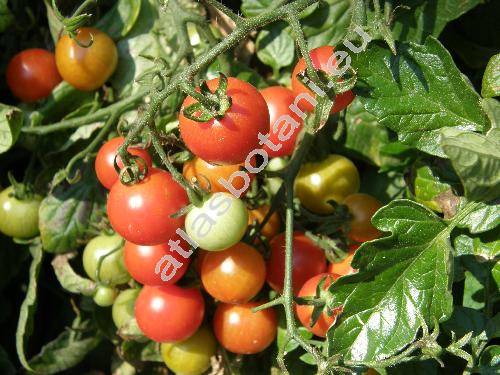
point(32, 74)
point(105, 161)
point(140, 213)
point(304, 312)
point(231, 139)
point(308, 261)
point(319, 57)
point(169, 313)
point(278, 101)
point(141, 262)
point(242, 331)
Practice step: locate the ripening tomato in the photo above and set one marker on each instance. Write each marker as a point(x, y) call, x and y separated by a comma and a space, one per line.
point(362, 207)
point(19, 217)
point(191, 356)
point(123, 307)
point(86, 68)
point(140, 213)
point(284, 124)
point(343, 266)
point(234, 275)
point(333, 178)
point(308, 261)
point(207, 175)
point(105, 161)
point(242, 331)
point(219, 223)
point(320, 57)
point(147, 263)
point(169, 313)
point(231, 139)
point(304, 312)
point(272, 226)
point(32, 74)
point(112, 270)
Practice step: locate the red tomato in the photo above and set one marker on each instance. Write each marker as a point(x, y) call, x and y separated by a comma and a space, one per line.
point(141, 262)
point(234, 275)
point(308, 261)
point(105, 161)
point(319, 57)
point(32, 74)
point(169, 313)
point(278, 101)
point(140, 213)
point(362, 207)
point(304, 312)
point(230, 139)
point(242, 331)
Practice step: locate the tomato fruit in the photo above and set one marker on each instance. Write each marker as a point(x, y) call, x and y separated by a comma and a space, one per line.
point(123, 307)
point(169, 313)
point(18, 218)
point(343, 266)
point(362, 207)
point(32, 74)
point(191, 356)
point(228, 140)
point(140, 213)
point(304, 312)
point(141, 262)
point(86, 68)
point(242, 331)
point(105, 296)
point(234, 275)
point(112, 270)
point(319, 57)
point(105, 161)
point(207, 175)
point(272, 226)
point(333, 178)
point(308, 261)
point(219, 223)
point(284, 124)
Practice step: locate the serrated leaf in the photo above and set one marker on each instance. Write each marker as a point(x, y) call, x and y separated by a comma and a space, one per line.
point(11, 121)
point(491, 78)
point(275, 46)
point(476, 159)
point(65, 214)
point(417, 92)
point(483, 218)
point(251, 8)
point(488, 248)
point(120, 19)
point(402, 277)
point(28, 307)
point(69, 279)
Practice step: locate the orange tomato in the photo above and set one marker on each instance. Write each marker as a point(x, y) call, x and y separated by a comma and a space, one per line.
point(272, 226)
point(362, 207)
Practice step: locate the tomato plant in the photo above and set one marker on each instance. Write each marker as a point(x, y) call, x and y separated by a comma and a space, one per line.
point(32, 74)
point(18, 217)
point(87, 61)
point(234, 275)
point(169, 313)
point(362, 207)
point(242, 331)
point(141, 213)
point(343, 266)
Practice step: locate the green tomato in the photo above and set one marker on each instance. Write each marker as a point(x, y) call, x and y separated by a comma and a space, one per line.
point(105, 296)
point(18, 218)
point(219, 223)
point(112, 271)
point(274, 183)
point(191, 356)
point(123, 307)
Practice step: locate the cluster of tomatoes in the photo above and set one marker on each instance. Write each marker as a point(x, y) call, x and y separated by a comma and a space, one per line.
point(154, 244)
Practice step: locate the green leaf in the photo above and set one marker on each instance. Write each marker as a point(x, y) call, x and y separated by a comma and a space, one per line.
point(275, 46)
point(6, 16)
point(11, 121)
point(491, 78)
point(483, 218)
point(473, 291)
point(65, 214)
point(282, 337)
point(55, 26)
point(465, 320)
point(486, 246)
point(81, 133)
point(404, 278)
point(65, 351)
point(120, 19)
point(428, 186)
point(476, 159)
point(251, 8)
point(308, 358)
point(492, 108)
point(489, 362)
point(69, 279)
point(28, 307)
point(417, 92)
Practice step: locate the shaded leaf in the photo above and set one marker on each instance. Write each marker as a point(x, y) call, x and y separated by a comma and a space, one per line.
point(491, 78)
point(275, 46)
point(69, 279)
point(11, 121)
point(6, 16)
point(488, 248)
point(251, 8)
point(120, 19)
